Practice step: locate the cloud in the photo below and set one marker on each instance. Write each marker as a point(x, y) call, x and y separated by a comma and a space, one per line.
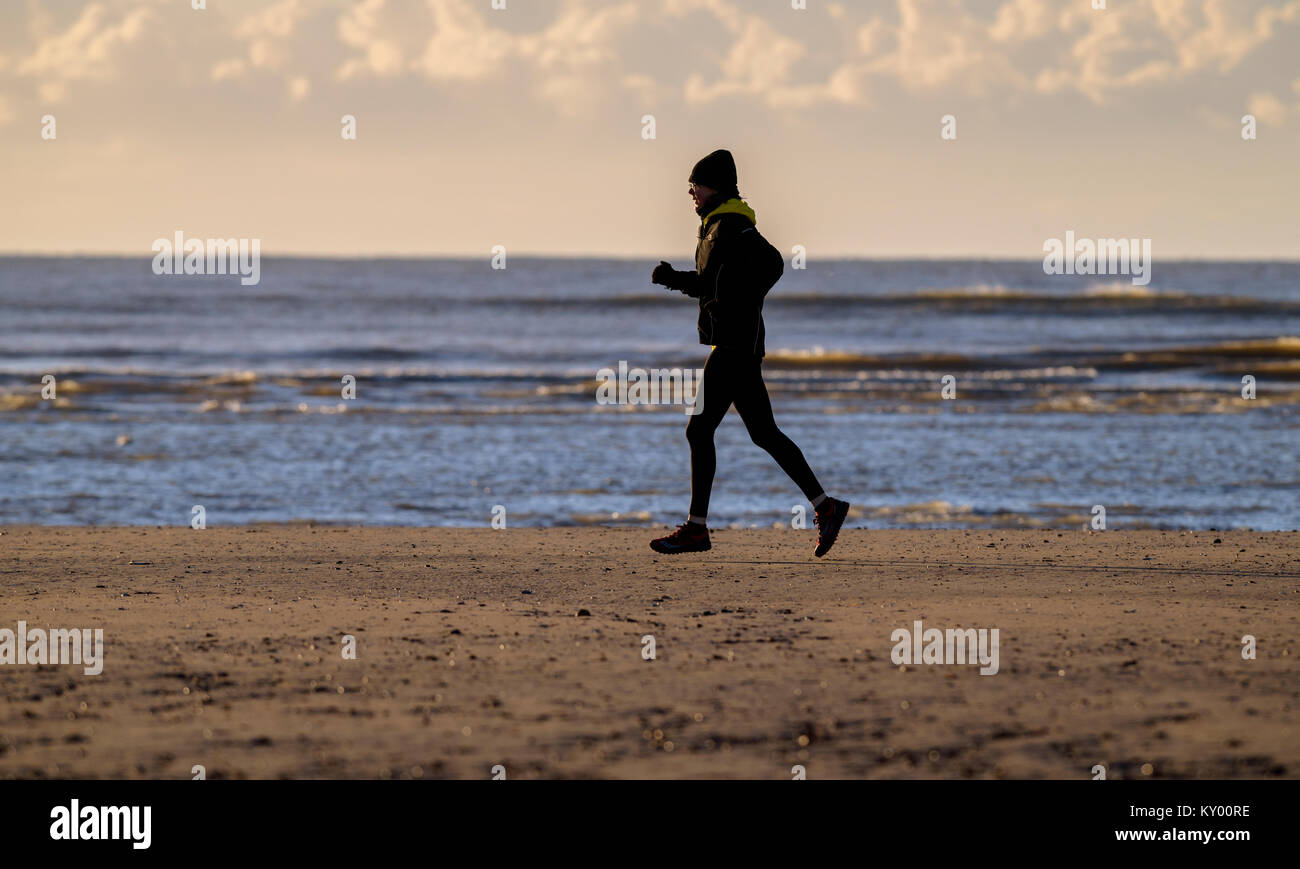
point(1038, 46)
point(570, 61)
point(363, 27)
point(463, 47)
point(1015, 46)
point(580, 38)
point(1267, 108)
point(762, 61)
point(1021, 20)
point(299, 88)
point(1230, 33)
point(588, 52)
point(941, 45)
point(642, 84)
point(226, 69)
point(86, 50)
point(269, 35)
point(576, 57)
point(53, 91)
point(1100, 61)
point(277, 21)
point(1159, 42)
point(269, 31)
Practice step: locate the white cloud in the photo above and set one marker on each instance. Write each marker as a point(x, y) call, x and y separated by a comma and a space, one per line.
point(363, 27)
point(269, 35)
point(1015, 46)
point(1162, 41)
point(872, 37)
point(1267, 108)
point(581, 56)
point(299, 88)
point(572, 60)
point(580, 37)
point(463, 47)
point(1021, 20)
point(939, 45)
point(225, 69)
point(269, 31)
point(1231, 33)
point(1173, 16)
point(276, 21)
point(1094, 65)
point(760, 60)
point(86, 50)
point(53, 91)
point(1038, 45)
point(763, 59)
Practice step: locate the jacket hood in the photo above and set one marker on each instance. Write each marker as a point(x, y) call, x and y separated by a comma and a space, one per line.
point(733, 206)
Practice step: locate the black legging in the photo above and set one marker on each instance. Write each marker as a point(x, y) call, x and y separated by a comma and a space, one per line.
point(734, 376)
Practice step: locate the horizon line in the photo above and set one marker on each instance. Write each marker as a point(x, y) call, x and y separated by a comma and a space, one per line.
point(834, 257)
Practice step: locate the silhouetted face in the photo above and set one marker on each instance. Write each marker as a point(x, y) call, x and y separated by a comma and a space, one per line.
point(700, 194)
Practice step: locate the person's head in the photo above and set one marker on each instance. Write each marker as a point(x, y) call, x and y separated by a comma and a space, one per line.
point(700, 194)
point(714, 174)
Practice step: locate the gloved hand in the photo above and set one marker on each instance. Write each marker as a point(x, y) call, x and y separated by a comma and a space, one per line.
point(663, 274)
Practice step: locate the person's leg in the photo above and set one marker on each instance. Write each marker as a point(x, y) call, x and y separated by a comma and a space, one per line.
point(715, 392)
point(755, 409)
point(713, 398)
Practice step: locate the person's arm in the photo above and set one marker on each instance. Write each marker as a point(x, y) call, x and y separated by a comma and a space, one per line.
point(687, 282)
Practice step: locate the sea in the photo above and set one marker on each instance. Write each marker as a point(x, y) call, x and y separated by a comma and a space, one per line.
point(446, 392)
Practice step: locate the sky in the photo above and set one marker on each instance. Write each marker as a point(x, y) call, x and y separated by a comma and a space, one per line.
point(526, 126)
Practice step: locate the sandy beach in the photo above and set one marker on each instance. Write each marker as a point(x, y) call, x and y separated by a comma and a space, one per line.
point(524, 648)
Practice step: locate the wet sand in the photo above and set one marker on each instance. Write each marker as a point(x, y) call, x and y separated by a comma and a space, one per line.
point(523, 648)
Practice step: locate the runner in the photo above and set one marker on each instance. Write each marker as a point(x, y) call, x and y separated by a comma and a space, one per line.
point(735, 267)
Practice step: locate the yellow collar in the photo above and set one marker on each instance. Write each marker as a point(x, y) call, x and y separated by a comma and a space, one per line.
point(733, 206)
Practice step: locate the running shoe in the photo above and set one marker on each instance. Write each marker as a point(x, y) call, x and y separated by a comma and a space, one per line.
point(829, 517)
point(689, 537)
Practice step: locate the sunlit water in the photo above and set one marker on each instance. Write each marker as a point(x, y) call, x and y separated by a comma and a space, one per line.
point(477, 388)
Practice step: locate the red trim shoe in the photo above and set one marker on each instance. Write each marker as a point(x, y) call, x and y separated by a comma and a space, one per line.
point(829, 517)
point(689, 537)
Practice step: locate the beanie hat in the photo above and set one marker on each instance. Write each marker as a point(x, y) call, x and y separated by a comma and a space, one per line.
point(717, 170)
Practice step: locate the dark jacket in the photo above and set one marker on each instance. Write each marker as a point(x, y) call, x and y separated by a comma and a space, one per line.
point(734, 269)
